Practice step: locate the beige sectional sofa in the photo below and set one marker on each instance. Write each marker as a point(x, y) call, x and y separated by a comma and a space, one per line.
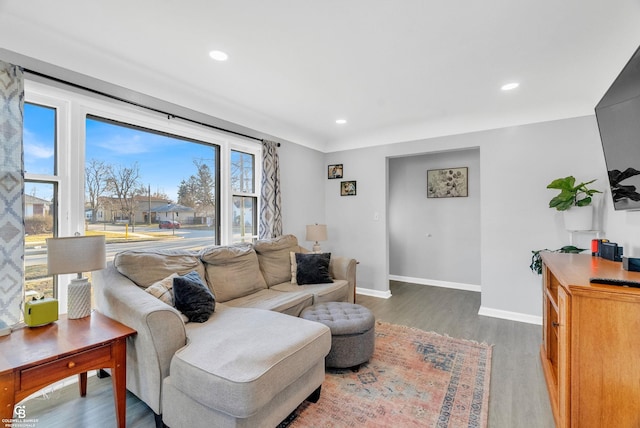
point(252, 362)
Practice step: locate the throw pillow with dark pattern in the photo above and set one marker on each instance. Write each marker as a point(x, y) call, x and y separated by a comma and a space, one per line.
point(193, 298)
point(313, 268)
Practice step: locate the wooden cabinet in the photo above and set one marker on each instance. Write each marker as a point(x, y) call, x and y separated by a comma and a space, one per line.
point(591, 342)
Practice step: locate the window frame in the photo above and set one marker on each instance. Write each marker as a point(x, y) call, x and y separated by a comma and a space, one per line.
point(257, 173)
point(60, 177)
point(74, 105)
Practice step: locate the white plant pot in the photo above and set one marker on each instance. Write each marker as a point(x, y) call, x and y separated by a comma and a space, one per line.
point(579, 218)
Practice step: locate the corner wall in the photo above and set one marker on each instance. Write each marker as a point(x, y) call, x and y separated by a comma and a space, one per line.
point(301, 179)
point(516, 164)
point(434, 239)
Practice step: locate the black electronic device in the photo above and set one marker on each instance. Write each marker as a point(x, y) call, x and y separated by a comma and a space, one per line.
point(631, 264)
point(611, 251)
point(617, 114)
point(615, 281)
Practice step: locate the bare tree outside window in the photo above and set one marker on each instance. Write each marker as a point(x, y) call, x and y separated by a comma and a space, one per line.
point(198, 191)
point(123, 182)
point(242, 172)
point(96, 176)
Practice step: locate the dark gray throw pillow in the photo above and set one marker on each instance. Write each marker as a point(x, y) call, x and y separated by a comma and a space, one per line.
point(192, 297)
point(313, 268)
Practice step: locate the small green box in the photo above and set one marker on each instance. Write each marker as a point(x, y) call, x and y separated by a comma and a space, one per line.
point(40, 312)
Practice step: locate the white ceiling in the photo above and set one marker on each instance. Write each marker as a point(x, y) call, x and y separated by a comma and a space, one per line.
point(396, 70)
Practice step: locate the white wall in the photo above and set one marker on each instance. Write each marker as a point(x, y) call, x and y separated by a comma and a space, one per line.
point(301, 177)
point(434, 238)
point(516, 164)
point(358, 223)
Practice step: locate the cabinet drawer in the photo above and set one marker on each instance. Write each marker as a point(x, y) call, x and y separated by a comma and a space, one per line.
point(59, 369)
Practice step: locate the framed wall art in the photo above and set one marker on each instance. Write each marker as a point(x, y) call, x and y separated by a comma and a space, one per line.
point(448, 183)
point(334, 171)
point(347, 188)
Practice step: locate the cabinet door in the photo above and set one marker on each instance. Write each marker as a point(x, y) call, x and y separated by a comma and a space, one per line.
point(605, 368)
point(564, 358)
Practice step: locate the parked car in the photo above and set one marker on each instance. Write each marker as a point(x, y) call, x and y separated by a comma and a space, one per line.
point(168, 224)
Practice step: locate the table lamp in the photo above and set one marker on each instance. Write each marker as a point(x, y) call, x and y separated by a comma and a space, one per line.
point(76, 254)
point(316, 232)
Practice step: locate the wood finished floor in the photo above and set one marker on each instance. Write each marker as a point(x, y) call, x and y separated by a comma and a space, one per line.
point(518, 397)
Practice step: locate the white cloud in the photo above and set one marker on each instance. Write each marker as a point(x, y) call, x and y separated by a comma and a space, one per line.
point(131, 144)
point(39, 152)
point(34, 149)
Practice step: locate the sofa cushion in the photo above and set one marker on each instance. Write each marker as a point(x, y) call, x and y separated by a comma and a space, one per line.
point(193, 298)
point(163, 290)
point(313, 268)
point(145, 267)
point(294, 267)
point(232, 271)
point(336, 291)
point(264, 352)
point(273, 255)
point(287, 303)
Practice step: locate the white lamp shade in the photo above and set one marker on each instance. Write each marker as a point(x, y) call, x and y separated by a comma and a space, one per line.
point(316, 232)
point(75, 254)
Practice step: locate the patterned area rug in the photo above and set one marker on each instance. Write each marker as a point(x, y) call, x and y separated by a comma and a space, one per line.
point(415, 379)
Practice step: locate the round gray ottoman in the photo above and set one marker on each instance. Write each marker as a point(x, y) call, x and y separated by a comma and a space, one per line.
point(352, 332)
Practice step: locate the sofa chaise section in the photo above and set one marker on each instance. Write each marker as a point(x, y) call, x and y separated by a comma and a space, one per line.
point(265, 352)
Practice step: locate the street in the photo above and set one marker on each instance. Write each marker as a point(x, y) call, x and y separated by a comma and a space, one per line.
point(183, 238)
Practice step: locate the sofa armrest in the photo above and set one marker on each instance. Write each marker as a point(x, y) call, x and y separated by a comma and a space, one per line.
point(344, 268)
point(160, 331)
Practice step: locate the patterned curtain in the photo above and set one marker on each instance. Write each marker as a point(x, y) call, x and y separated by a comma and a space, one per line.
point(270, 199)
point(11, 193)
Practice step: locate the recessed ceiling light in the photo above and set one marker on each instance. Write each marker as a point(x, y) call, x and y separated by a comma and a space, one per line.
point(218, 55)
point(510, 86)
point(341, 121)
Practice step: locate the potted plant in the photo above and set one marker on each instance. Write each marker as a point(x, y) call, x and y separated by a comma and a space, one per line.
point(575, 201)
point(536, 260)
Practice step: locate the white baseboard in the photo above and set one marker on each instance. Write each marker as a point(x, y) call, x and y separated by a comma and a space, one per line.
point(374, 293)
point(436, 283)
point(507, 315)
point(484, 311)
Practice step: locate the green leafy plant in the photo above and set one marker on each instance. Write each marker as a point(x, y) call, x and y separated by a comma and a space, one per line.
point(570, 194)
point(536, 260)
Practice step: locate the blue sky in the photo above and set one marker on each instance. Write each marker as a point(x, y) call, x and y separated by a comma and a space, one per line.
point(163, 161)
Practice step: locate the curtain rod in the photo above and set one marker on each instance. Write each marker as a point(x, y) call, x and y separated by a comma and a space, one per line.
point(169, 115)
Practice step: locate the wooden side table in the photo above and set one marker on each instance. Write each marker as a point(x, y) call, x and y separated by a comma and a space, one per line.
point(34, 357)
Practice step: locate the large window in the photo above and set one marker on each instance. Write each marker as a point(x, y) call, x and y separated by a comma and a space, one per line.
point(41, 184)
point(144, 180)
point(151, 185)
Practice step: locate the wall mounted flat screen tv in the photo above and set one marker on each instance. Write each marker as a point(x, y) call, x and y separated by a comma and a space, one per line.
point(618, 116)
